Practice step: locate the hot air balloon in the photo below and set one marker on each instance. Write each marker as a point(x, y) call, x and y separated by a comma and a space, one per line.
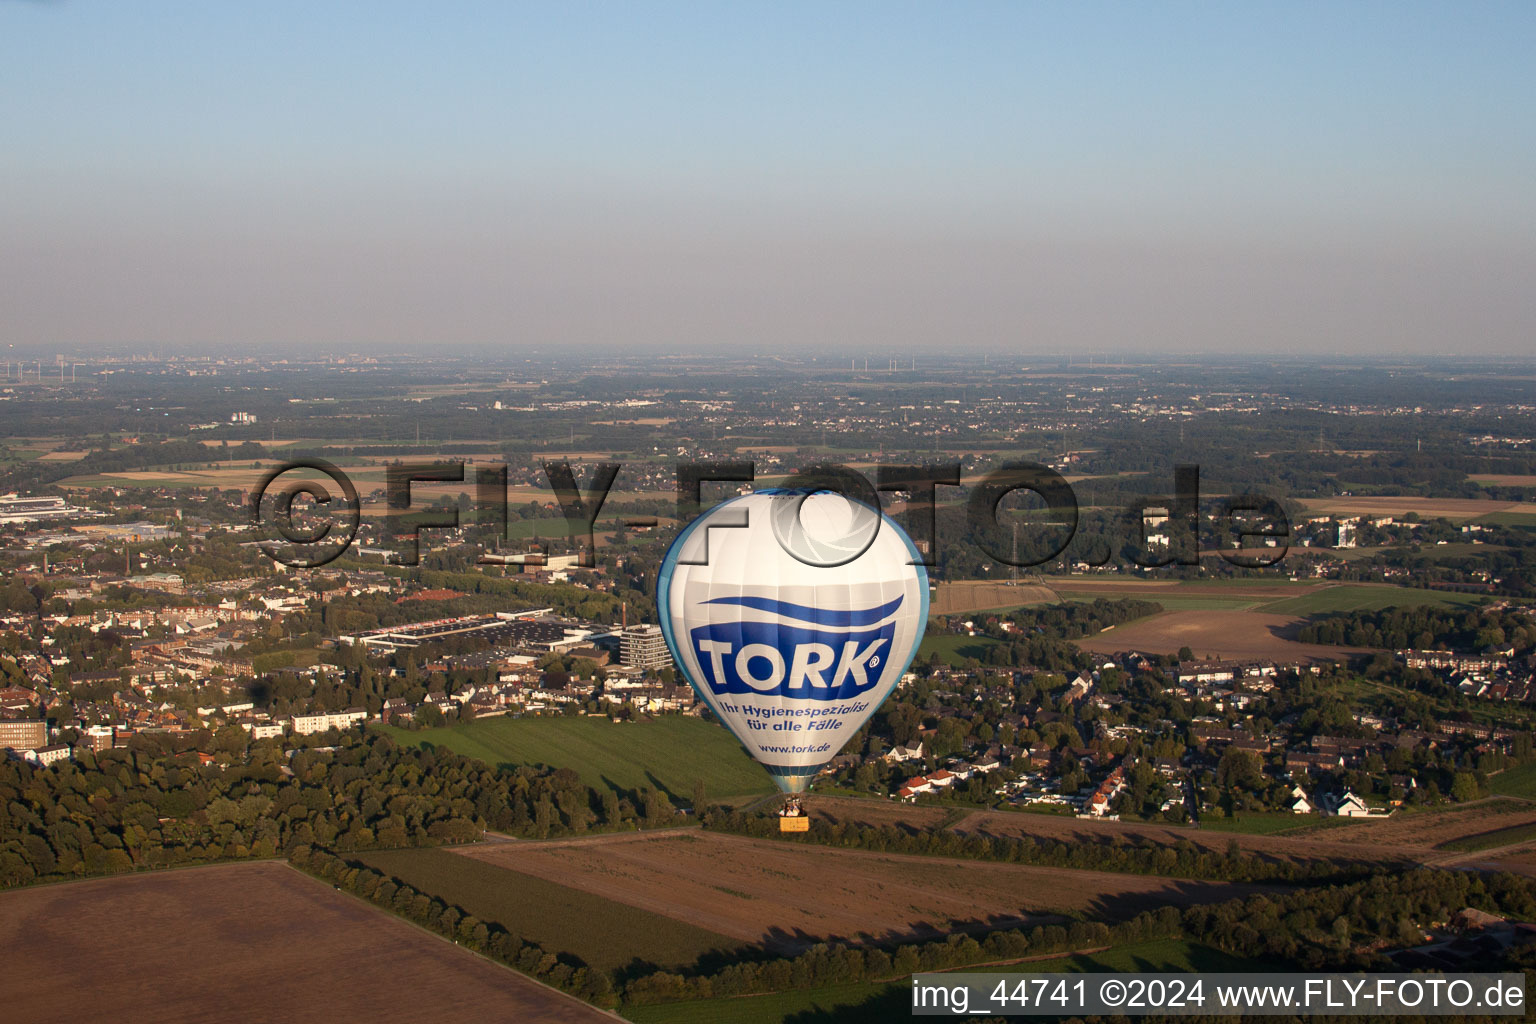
point(793, 614)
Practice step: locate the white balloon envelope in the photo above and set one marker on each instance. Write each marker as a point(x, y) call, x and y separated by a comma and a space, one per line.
point(793, 615)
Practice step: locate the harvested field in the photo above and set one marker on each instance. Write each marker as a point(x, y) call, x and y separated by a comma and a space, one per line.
point(1154, 590)
point(1520, 862)
point(1215, 633)
point(1504, 479)
point(1428, 508)
point(788, 895)
point(247, 941)
point(877, 813)
point(241, 475)
point(1322, 845)
point(1427, 829)
point(231, 476)
point(960, 598)
point(1402, 837)
point(277, 442)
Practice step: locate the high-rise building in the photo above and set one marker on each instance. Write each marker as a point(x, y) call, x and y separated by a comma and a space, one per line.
point(644, 647)
point(23, 733)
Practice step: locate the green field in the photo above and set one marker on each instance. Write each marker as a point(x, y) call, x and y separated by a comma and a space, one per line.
point(1265, 823)
point(1172, 602)
point(879, 1002)
point(1526, 520)
point(874, 1002)
point(604, 934)
point(1518, 781)
point(1432, 552)
point(671, 752)
point(1489, 840)
point(1361, 598)
point(955, 649)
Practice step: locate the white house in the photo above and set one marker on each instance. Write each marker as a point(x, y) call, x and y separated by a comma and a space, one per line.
point(1349, 806)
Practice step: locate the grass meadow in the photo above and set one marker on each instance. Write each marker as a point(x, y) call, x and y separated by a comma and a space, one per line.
point(670, 752)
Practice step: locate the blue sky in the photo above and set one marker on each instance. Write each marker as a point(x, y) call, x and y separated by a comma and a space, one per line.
point(1017, 176)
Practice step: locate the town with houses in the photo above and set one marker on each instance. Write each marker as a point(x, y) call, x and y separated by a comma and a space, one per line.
point(119, 654)
point(374, 373)
point(1178, 693)
point(136, 604)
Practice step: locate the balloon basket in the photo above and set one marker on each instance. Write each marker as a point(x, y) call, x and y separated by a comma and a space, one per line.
point(792, 816)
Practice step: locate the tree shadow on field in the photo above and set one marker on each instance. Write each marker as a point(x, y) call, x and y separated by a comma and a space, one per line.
point(712, 962)
point(784, 942)
point(660, 786)
point(894, 1003)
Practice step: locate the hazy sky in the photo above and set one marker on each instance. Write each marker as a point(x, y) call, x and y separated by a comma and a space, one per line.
point(1331, 177)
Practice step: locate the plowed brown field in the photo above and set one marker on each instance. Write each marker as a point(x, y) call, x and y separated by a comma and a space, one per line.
point(788, 894)
point(256, 941)
point(1404, 837)
point(1214, 633)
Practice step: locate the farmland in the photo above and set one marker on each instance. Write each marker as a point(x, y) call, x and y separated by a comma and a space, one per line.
point(878, 1002)
point(1456, 509)
point(1269, 823)
point(1439, 827)
point(1367, 597)
point(789, 895)
point(1518, 781)
point(217, 943)
point(670, 753)
point(1212, 634)
point(1423, 837)
point(962, 598)
point(863, 813)
point(1504, 479)
point(1281, 597)
point(604, 934)
point(367, 476)
point(1493, 840)
point(1241, 619)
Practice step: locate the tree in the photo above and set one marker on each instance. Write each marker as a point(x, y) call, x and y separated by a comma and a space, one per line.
point(1238, 769)
point(1464, 787)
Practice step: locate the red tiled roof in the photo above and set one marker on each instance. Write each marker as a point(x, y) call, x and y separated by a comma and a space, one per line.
point(430, 595)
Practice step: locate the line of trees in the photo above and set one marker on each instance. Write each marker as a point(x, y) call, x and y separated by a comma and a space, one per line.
point(1181, 860)
point(1424, 628)
point(153, 806)
point(453, 923)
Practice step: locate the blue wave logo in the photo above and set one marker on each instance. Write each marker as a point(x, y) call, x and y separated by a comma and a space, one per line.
point(810, 653)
